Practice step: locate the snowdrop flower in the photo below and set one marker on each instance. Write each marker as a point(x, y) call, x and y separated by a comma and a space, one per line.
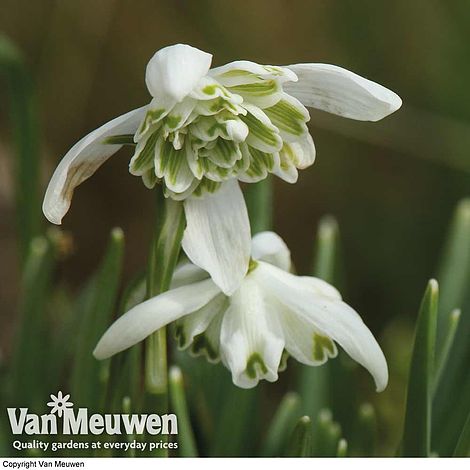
point(273, 314)
point(205, 129)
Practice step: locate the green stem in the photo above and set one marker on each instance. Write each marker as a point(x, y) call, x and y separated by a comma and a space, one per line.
point(164, 254)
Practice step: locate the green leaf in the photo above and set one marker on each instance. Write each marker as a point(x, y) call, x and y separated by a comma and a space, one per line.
point(417, 428)
point(327, 434)
point(314, 381)
point(186, 442)
point(454, 272)
point(29, 362)
point(259, 201)
point(441, 362)
point(24, 119)
point(342, 448)
point(365, 434)
point(454, 276)
point(88, 375)
point(463, 445)
point(300, 443)
point(281, 425)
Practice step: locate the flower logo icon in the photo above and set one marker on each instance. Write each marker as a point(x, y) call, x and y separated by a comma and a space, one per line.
point(59, 403)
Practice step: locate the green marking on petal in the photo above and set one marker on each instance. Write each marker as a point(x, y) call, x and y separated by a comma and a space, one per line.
point(152, 117)
point(209, 89)
point(252, 266)
point(206, 186)
point(201, 345)
point(124, 139)
point(287, 118)
point(173, 121)
point(180, 336)
point(264, 88)
point(142, 161)
point(261, 131)
point(322, 345)
point(254, 365)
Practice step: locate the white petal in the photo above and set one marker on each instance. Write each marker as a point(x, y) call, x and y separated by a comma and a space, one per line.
point(332, 317)
point(339, 91)
point(82, 160)
point(251, 344)
point(217, 236)
point(308, 151)
point(174, 71)
point(187, 273)
point(153, 314)
point(271, 248)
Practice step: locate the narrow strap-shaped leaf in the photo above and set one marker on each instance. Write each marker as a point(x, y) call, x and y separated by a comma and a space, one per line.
point(342, 448)
point(95, 316)
point(186, 442)
point(365, 435)
point(259, 201)
point(300, 443)
point(417, 428)
point(30, 356)
point(454, 271)
point(463, 445)
point(25, 130)
point(454, 277)
point(327, 434)
point(281, 425)
point(451, 330)
point(314, 381)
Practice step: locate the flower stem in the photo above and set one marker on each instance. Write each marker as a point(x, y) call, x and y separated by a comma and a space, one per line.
point(164, 254)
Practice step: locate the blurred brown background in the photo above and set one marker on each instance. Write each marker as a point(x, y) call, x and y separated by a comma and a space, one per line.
point(392, 185)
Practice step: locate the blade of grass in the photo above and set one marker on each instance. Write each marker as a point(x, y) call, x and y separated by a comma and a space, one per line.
point(186, 443)
point(99, 303)
point(281, 425)
point(417, 428)
point(24, 119)
point(300, 443)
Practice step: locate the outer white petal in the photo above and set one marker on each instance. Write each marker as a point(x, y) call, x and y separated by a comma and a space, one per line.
point(271, 248)
point(82, 160)
point(332, 317)
point(153, 314)
point(339, 91)
point(174, 71)
point(251, 343)
point(217, 236)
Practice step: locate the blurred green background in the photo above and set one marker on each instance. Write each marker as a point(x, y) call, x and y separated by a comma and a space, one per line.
point(391, 185)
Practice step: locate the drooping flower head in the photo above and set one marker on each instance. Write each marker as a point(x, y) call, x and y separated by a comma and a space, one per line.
point(273, 314)
point(206, 129)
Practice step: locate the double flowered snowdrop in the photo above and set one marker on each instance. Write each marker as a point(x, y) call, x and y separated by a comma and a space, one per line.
point(206, 129)
point(271, 315)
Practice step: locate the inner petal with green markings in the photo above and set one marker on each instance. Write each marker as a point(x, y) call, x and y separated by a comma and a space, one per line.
point(237, 122)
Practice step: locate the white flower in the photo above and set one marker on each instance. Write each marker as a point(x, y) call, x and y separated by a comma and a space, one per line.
point(59, 403)
point(273, 314)
point(205, 129)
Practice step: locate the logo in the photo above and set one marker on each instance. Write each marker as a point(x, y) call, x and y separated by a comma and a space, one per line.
point(64, 419)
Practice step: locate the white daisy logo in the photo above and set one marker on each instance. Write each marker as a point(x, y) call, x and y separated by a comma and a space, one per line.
point(59, 403)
